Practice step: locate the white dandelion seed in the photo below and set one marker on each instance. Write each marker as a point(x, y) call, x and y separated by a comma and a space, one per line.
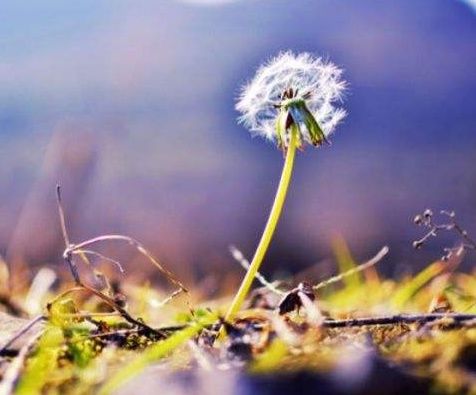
point(301, 89)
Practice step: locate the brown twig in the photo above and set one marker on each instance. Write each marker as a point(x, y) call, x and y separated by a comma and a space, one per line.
point(82, 249)
point(398, 319)
point(111, 303)
point(106, 334)
point(77, 248)
point(426, 219)
point(163, 331)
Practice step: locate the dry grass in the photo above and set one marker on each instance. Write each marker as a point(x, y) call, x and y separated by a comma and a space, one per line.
point(420, 329)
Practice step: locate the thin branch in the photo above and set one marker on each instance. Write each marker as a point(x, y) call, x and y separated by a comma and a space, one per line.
point(81, 287)
point(137, 245)
point(398, 319)
point(376, 259)
point(62, 216)
point(427, 220)
point(71, 249)
point(99, 255)
point(123, 312)
point(100, 276)
point(68, 258)
point(168, 298)
point(464, 234)
point(174, 328)
point(80, 249)
point(85, 314)
point(105, 334)
point(120, 310)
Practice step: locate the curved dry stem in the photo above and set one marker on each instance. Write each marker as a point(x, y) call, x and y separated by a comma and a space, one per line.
point(104, 257)
point(75, 248)
point(376, 259)
point(110, 302)
point(72, 249)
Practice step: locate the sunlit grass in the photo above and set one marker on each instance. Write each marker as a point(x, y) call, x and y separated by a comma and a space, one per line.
point(104, 353)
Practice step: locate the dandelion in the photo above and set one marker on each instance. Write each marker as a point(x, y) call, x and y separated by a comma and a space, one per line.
point(293, 90)
point(291, 101)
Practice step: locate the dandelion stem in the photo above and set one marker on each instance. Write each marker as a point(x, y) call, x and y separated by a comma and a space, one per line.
point(269, 229)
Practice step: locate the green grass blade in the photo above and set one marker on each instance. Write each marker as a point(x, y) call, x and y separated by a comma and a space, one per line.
point(43, 364)
point(153, 354)
point(407, 291)
point(346, 262)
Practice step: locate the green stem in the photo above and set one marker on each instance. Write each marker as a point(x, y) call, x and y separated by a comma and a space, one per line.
point(268, 230)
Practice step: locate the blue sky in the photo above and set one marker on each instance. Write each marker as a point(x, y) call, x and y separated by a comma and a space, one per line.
point(153, 85)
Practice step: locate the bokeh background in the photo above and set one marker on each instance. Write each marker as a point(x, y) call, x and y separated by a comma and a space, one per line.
point(130, 105)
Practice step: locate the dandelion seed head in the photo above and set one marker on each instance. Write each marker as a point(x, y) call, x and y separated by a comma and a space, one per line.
point(316, 81)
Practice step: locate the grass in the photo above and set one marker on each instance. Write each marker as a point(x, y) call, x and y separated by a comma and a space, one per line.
point(96, 350)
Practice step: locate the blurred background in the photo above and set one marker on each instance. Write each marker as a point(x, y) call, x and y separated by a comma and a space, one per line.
point(130, 106)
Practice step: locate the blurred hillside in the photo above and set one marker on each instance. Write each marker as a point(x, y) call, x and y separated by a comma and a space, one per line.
point(131, 109)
